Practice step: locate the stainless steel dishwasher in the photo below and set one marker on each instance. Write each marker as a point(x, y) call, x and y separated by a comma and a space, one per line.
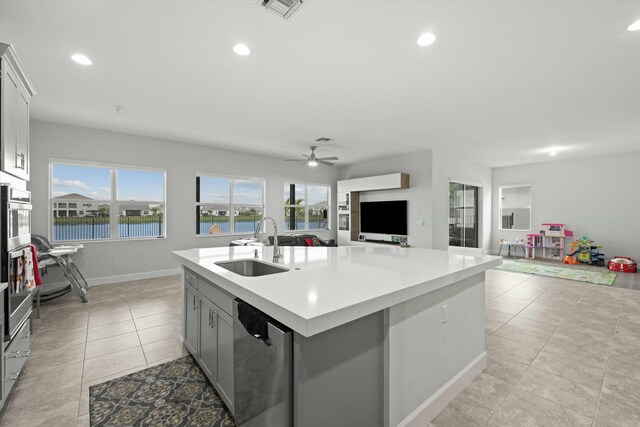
point(262, 369)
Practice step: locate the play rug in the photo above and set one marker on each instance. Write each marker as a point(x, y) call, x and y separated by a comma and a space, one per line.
point(597, 277)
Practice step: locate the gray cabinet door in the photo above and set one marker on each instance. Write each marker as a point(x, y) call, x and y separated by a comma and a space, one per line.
point(225, 360)
point(22, 137)
point(191, 302)
point(9, 110)
point(208, 358)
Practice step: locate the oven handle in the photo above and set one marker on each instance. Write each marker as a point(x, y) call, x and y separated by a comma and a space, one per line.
point(19, 206)
point(19, 252)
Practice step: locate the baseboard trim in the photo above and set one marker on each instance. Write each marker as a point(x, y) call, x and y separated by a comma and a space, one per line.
point(107, 280)
point(425, 413)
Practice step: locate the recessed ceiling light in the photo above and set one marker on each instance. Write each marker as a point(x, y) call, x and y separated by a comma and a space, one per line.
point(242, 49)
point(635, 26)
point(81, 59)
point(426, 39)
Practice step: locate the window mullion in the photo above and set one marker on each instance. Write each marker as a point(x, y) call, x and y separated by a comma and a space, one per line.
point(113, 215)
point(306, 207)
point(232, 219)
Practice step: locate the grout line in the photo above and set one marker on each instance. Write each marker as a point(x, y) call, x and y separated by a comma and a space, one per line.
point(606, 367)
point(144, 354)
point(539, 351)
point(84, 358)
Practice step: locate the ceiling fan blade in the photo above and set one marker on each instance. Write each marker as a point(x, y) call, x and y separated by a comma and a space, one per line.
point(327, 158)
point(324, 163)
point(291, 160)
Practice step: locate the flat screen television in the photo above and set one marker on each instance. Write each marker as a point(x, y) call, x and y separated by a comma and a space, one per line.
point(388, 217)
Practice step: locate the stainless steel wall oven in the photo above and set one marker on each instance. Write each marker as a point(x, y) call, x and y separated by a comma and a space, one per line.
point(16, 255)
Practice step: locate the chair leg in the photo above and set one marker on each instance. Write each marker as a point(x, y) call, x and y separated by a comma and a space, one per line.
point(72, 279)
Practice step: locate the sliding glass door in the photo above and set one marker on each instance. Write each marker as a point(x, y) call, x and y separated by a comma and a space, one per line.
point(463, 215)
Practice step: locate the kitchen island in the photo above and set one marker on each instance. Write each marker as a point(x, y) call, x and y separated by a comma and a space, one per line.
point(382, 336)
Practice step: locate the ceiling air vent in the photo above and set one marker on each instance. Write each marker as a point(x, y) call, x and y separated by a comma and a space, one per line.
point(283, 8)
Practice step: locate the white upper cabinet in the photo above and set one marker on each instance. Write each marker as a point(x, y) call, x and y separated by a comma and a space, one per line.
point(344, 186)
point(373, 183)
point(15, 93)
point(358, 184)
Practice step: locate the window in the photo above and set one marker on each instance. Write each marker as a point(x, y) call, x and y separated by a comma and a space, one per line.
point(463, 215)
point(226, 205)
point(515, 207)
point(112, 198)
point(306, 206)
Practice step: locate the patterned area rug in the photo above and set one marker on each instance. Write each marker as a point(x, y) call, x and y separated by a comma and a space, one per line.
point(597, 277)
point(176, 393)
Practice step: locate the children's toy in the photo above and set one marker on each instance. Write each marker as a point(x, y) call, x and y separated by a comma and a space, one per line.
point(553, 230)
point(623, 264)
point(550, 241)
point(586, 252)
point(533, 242)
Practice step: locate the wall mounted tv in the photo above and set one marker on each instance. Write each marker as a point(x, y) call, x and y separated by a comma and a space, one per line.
point(388, 217)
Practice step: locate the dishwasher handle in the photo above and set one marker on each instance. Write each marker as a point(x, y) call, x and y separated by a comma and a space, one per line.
point(255, 322)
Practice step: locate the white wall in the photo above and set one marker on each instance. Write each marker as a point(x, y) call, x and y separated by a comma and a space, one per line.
point(418, 195)
point(595, 196)
point(181, 161)
point(448, 167)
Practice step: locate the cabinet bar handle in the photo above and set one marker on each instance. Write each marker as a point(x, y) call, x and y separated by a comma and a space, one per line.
point(21, 157)
point(15, 355)
point(213, 318)
point(15, 376)
point(194, 302)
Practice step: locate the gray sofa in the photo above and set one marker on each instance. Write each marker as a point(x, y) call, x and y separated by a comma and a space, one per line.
point(301, 240)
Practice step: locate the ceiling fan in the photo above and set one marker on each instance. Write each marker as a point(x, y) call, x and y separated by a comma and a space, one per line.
point(312, 160)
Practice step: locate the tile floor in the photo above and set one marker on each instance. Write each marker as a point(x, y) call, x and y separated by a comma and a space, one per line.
point(122, 329)
point(560, 353)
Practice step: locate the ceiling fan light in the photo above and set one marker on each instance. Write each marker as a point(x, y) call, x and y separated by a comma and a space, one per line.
point(313, 163)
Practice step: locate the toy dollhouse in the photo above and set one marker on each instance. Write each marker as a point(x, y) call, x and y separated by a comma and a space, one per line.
point(549, 242)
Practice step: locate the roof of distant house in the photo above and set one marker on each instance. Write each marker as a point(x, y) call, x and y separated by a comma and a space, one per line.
point(73, 196)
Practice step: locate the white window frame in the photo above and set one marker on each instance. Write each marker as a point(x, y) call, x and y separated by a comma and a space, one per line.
point(502, 187)
point(230, 205)
point(306, 206)
point(113, 202)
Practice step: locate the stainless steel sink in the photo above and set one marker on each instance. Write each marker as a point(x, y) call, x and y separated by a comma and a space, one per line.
point(251, 267)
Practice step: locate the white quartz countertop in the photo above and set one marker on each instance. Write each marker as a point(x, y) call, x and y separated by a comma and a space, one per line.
point(326, 287)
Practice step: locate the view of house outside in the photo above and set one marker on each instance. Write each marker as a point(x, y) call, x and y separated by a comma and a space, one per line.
point(83, 202)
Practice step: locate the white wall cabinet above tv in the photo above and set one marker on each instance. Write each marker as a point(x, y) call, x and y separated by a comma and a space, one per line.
point(380, 182)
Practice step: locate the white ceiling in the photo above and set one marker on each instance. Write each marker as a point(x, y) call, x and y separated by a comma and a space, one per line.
point(503, 79)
